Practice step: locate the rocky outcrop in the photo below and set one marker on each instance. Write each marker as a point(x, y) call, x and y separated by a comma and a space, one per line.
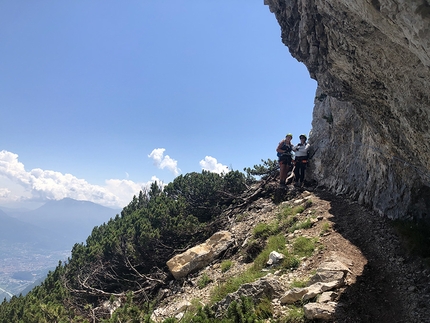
point(199, 256)
point(371, 119)
point(268, 287)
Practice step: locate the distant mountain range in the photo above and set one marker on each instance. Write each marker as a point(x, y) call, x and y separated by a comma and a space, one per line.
point(15, 231)
point(33, 241)
point(56, 224)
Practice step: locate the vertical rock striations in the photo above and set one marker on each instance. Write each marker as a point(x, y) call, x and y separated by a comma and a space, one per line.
point(371, 119)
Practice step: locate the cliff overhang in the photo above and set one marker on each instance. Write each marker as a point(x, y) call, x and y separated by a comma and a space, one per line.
point(371, 118)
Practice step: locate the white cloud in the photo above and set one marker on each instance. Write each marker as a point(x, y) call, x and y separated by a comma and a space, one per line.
point(40, 185)
point(212, 165)
point(162, 161)
point(4, 193)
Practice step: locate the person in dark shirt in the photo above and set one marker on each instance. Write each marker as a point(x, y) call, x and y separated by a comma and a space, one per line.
point(284, 150)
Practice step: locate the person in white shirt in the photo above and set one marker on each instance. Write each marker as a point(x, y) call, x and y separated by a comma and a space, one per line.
point(301, 152)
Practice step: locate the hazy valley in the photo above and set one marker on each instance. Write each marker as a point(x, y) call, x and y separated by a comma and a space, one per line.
point(32, 242)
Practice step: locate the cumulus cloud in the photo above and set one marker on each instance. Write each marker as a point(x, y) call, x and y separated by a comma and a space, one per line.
point(212, 165)
point(4, 193)
point(162, 161)
point(42, 185)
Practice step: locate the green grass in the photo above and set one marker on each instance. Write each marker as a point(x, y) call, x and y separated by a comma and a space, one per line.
point(299, 283)
point(264, 230)
point(295, 315)
point(226, 265)
point(300, 225)
point(290, 210)
point(274, 243)
point(325, 227)
point(203, 281)
point(264, 309)
point(233, 284)
point(304, 246)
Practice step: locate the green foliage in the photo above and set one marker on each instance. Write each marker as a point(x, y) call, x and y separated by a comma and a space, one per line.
point(306, 224)
point(304, 246)
point(206, 194)
point(233, 284)
point(274, 243)
point(141, 238)
point(289, 210)
point(299, 283)
point(241, 311)
point(269, 168)
point(295, 315)
point(203, 281)
point(264, 230)
point(226, 265)
point(144, 236)
point(325, 227)
point(264, 309)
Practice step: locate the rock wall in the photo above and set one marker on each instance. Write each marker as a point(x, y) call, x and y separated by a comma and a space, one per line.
point(371, 119)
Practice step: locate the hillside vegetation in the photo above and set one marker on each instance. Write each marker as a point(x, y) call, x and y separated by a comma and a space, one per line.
point(120, 273)
point(126, 258)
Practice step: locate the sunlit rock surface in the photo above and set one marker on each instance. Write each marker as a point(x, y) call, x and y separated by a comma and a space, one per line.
point(370, 128)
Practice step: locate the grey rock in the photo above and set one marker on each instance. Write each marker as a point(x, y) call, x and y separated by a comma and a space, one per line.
point(321, 311)
point(264, 287)
point(293, 295)
point(371, 116)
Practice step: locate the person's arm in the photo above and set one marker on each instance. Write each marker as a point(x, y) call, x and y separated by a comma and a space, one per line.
point(279, 149)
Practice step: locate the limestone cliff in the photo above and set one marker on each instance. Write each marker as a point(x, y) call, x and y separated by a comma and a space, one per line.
point(371, 119)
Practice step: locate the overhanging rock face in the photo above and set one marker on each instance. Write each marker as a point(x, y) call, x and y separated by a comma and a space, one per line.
point(371, 119)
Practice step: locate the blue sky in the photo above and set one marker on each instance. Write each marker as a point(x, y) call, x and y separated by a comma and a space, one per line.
point(99, 98)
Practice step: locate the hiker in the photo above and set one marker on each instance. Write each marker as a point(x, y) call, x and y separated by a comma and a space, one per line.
point(284, 157)
point(301, 160)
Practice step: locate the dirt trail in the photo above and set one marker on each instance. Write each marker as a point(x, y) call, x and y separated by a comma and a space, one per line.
point(393, 286)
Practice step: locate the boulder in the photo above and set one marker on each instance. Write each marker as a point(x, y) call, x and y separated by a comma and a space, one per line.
point(264, 287)
point(274, 258)
point(318, 288)
point(293, 295)
point(321, 311)
point(199, 256)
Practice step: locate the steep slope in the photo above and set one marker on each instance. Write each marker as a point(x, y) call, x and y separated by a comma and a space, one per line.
point(384, 284)
point(121, 272)
point(371, 120)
